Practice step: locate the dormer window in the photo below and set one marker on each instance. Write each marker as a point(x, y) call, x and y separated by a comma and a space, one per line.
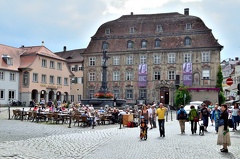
point(188, 41)
point(107, 31)
point(130, 44)
point(104, 45)
point(7, 59)
point(188, 26)
point(159, 29)
point(144, 44)
point(157, 43)
point(132, 30)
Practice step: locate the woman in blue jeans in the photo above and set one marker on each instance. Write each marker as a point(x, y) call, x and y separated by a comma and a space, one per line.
point(235, 116)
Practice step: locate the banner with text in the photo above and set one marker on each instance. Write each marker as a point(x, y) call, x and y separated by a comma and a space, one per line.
point(187, 74)
point(142, 75)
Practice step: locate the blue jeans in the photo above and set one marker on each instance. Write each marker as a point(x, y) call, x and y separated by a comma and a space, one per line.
point(216, 125)
point(235, 121)
point(161, 127)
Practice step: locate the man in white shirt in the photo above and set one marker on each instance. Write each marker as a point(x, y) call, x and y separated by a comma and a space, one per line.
point(150, 116)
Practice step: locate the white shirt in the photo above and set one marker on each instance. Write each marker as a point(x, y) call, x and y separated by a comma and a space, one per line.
point(150, 112)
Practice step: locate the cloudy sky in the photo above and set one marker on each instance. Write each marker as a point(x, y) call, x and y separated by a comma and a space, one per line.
point(71, 23)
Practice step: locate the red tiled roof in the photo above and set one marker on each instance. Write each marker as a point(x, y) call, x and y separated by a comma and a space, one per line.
point(71, 55)
point(13, 53)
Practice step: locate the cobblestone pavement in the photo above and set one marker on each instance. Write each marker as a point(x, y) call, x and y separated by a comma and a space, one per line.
point(30, 140)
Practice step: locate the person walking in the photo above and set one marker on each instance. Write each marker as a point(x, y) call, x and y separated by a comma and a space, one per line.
point(160, 112)
point(204, 116)
point(153, 115)
point(215, 116)
point(235, 116)
point(193, 118)
point(144, 113)
point(223, 130)
point(211, 108)
point(182, 116)
point(150, 116)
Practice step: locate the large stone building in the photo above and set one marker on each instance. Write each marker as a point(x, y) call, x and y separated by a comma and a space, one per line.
point(148, 54)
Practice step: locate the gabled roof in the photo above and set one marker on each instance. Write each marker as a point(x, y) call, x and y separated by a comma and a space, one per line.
point(12, 53)
point(71, 55)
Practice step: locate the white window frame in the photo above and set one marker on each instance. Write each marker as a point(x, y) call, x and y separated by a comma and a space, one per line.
point(2, 75)
point(188, 26)
point(132, 30)
point(159, 29)
point(52, 64)
point(129, 76)
point(35, 77)
point(12, 76)
point(107, 31)
point(13, 94)
point(59, 66)
point(65, 81)
point(116, 60)
point(171, 75)
point(51, 79)
point(92, 61)
point(116, 75)
point(144, 44)
point(156, 59)
point(79, 97)
point(130, 44)
point(59, 80)
point(187, 57)
point(157, 75)
point(129, 60)
point(44, 63)
point(129, 94)
point(91, 93)
point(44, 79)
point(2, 94)
point(206, 57)
point(143, 59)
point(157, 45)
point(91, 76)
point(142, 93)
point(205, 74)
point(171, 58)
point(116, 93)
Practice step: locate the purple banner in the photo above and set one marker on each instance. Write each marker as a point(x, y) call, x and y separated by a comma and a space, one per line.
point(187, 74)
point(142, 75)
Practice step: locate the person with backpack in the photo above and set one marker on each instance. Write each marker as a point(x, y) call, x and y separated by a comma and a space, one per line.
point(182, 116)
point(204, 116)
point(193, 118)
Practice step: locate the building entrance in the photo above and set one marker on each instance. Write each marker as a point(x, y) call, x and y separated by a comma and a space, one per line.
point(164, 95)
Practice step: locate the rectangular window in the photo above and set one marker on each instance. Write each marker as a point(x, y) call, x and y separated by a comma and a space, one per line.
point(171, 58)
point(44, 79)
point(72, 98)
point(2, 94)
point(51, 80)
point(116, 93)
point(156, 59)
point(129, 60)
point(91, 93)
point(73, 68)
point(129, 94)
point(143, 59)
point(187, 57)
point(206, 57)
point(59, 80)
point(188, 26)
point(44, 63)
point(132, 30)
point(80, 80)
point(91, 76)
point(80, 68)
point(59, 66)
point(171, 75)
point(206, 74)
point(129, 76)
point(92, 61)
point(9, 61)
point(11, 94)
point(157, 75)
point(107, 31)
point(1, 75)
point(65, 81)
point(116, 76)
point(12, 76)
point(35, 77)
point(52, 64)
point(159, 28)
point(79, 97)
point(116, 60)
point(142, 93)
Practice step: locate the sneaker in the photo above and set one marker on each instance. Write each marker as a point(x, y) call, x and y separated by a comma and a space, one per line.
point(224, 150)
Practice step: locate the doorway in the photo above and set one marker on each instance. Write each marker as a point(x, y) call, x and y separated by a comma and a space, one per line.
point(164, 95)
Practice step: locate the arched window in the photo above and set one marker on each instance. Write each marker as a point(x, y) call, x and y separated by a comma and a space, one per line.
point(188, 41)
point(104, 45)
point(130, 44)
point(157, 43)
point(144, 44)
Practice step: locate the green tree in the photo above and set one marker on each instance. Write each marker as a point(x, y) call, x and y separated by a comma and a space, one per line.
point(179, 97)
point(221, 97)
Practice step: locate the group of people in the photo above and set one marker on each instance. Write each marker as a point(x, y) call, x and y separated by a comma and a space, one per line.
point(219, 115)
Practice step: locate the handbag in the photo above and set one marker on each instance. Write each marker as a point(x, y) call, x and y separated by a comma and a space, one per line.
point(220, 122)
point(196, 119)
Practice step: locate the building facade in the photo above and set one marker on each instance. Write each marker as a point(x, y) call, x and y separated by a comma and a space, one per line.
point(9, 74)
point(150, 54)
point(75, 64)
point(43, 75)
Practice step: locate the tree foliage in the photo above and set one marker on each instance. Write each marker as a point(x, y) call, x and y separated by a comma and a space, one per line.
point(179, 97)
point(221, 97)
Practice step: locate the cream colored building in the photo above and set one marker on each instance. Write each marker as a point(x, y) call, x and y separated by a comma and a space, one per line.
point(43, 75)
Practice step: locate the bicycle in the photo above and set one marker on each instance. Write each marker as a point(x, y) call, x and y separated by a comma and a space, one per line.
point(143, 133)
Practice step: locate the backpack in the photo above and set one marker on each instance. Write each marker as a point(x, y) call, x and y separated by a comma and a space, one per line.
point(182, 115)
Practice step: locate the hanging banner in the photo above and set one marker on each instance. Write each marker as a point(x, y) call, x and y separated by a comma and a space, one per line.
point(187, 74)
point(142, 75)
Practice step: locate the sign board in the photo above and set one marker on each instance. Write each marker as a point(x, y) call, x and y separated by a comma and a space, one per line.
point(229, 81)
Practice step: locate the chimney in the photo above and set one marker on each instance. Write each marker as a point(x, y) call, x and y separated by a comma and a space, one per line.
point(186, 11)
point(131, 13)
point(236, 59)
point(64, 48)
point(42, 43)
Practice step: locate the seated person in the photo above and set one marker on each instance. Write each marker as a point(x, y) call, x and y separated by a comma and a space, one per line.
point(114, 117)
point(89, 120)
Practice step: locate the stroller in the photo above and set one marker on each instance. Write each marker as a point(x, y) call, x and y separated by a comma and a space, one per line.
point(143, 129)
